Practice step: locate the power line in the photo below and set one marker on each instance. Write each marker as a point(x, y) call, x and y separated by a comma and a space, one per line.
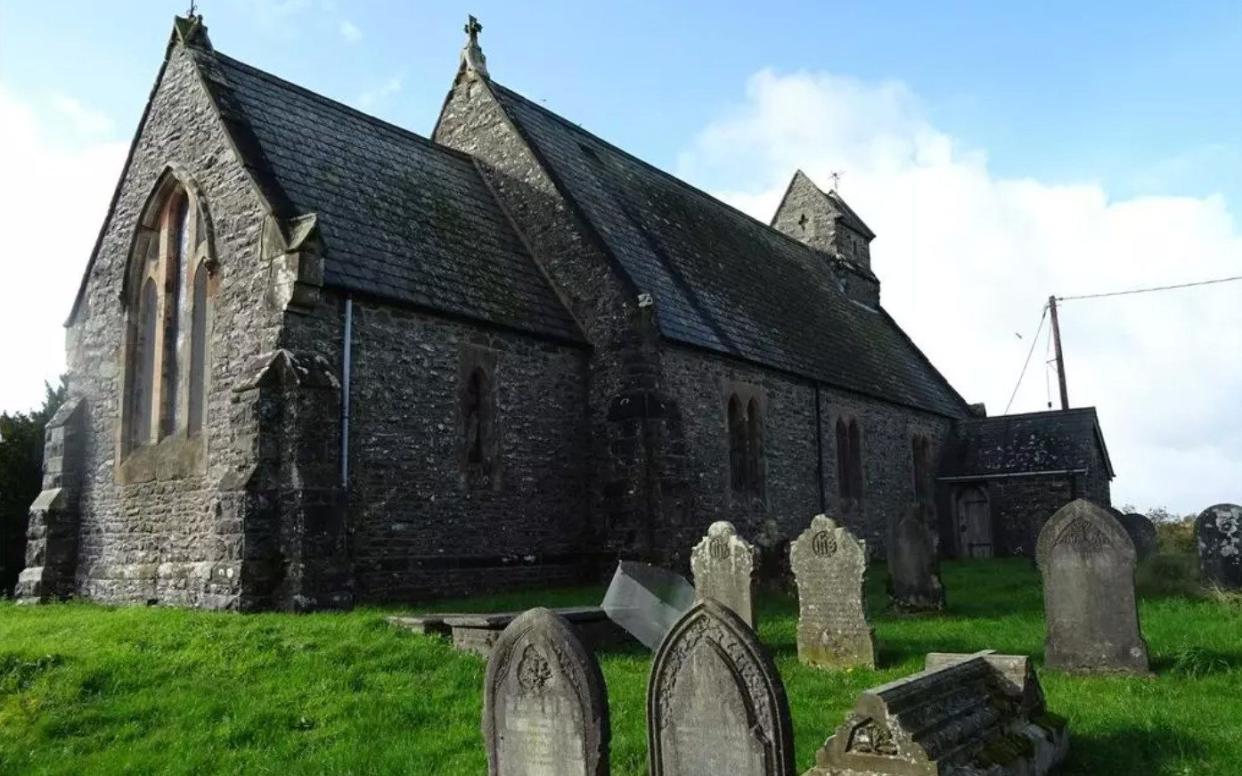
point(1149, 290)
point(1034, 340)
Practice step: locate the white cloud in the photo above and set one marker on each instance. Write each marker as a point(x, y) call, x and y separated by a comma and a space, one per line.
point(52, 202)
point(388, 88)
point(84, 120)
point(350, 32)
point(967, 258)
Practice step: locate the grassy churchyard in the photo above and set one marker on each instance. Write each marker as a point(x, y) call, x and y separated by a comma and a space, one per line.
point(86, 689)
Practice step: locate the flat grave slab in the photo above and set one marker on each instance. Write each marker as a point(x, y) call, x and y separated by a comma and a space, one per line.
point(477, 632)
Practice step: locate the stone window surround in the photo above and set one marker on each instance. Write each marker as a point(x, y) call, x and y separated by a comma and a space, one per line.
point(171, 449)
point(482, 468)
point(753, 407)
point(851, 472)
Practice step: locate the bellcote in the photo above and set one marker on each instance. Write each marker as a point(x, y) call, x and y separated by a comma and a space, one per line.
point(822, 220)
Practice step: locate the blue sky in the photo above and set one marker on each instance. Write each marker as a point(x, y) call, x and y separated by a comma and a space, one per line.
point(1143, 97)
point(1001, 151)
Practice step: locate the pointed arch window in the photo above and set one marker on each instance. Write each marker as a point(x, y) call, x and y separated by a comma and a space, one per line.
point(169, 289)
point(849, 459)
point(745, 429)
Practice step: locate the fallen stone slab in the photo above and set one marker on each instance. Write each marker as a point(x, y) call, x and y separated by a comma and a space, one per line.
point(477, 632)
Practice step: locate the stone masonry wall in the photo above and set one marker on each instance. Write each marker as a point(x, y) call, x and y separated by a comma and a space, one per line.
point(419, 525)
point(797, 485)
point(163, 539)
point(633, 424)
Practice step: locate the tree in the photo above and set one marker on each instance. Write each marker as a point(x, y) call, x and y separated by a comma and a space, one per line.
point(21, 479)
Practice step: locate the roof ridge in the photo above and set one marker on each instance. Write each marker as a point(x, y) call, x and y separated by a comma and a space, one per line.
point(345, 107)
point(767, 228)
point(1071, 411)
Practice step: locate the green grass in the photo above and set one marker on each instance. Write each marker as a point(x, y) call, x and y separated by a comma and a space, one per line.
point(92, 690)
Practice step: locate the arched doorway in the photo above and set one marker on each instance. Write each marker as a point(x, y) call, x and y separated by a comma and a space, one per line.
point(974, 523)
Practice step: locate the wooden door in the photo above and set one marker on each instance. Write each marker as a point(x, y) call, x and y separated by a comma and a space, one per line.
point(974, 522)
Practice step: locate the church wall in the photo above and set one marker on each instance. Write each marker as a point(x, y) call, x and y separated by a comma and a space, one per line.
point(797, 484)
point(163, 539)
point(420, 523)
point(630, 431)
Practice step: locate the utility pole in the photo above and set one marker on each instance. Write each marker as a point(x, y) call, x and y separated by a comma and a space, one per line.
point(1056, 339)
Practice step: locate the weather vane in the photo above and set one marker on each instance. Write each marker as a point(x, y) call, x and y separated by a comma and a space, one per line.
point(836, 178)
point(193, 8)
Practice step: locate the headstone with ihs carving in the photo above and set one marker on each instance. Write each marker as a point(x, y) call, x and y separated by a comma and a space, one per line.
point(715, 703)
point(830, 567)
point(723, 565)
point(545, 706)
point(1090, 611)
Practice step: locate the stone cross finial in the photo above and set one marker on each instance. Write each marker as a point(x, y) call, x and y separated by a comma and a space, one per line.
point(836, 178)
point(472, 55)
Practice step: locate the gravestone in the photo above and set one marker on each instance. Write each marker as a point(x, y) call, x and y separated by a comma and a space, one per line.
point(963, 715)
point(545, 706)
point(913, 568)
point(830, 567)
point(1219, 534)
point(1142, 532)
point(1087, 562)
point(723, 565)
point(715, 703)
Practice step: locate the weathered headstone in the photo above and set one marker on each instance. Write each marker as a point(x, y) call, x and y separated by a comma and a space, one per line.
point(723, 565)
point(1087, 562)
point(715, 703)
point(1142, 532)
point(545, 706)
point(964, 714)
point(1219, 534)
point(913, 568)
point(830, 567)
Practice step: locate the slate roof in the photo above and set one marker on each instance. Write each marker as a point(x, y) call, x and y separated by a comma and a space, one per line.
point(1026, 443)
point(722, 280)
point(400, 217)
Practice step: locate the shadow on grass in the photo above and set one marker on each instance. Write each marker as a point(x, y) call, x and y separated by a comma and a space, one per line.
point(1133, 750)
point(1194, 662)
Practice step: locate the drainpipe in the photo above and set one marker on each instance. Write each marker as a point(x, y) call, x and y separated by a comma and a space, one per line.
point(346, 367)
point(819, 454)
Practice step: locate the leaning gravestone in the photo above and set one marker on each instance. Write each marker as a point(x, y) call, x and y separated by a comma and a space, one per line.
point(1142, 532)
point(1219, 534)
point(723, 565)
point(830, 566)
point(1087, 562)
point(914, 574)
point(715, 703)
point(545, 707)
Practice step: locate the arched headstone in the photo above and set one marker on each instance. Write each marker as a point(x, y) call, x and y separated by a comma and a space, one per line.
point(1142, 532)
point(723, 565)
point(913, 568)
point(545, 706)
point(830, 567)
point(1087, 563)
point(715, 703)
point(1219, 534)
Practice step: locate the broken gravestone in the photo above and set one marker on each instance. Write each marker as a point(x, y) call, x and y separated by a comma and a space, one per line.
point(963, 715)
point(1142, 532)
point(715, 703)
point(913, 568)
point(723, 565)
point(830, 567)
point(1087, 563)
point(545, 706)
point(1219, 534)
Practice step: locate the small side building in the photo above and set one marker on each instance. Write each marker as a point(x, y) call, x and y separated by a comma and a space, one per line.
point(1003, 477)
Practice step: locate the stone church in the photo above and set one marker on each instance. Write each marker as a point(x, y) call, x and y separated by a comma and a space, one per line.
point(317, 359)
